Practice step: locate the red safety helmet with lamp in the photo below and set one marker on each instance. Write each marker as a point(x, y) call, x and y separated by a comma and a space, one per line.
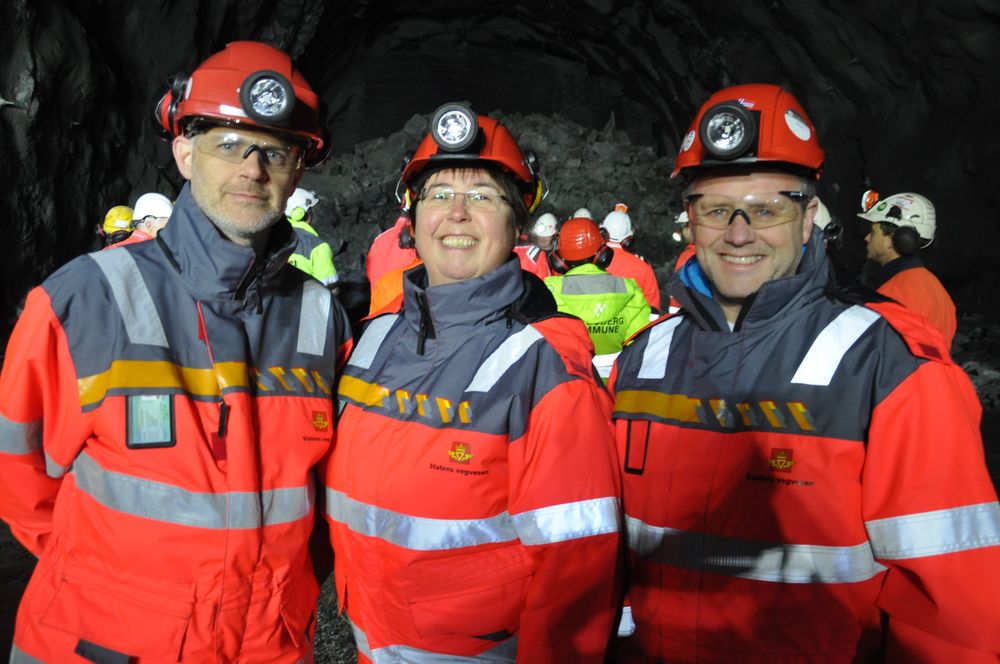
point(580, 240)
point(247, 84)
point(751, 124)
point(456, 135)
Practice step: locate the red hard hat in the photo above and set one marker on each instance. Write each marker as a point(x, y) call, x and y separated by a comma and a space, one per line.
point(247, 83)
point(579, 239)
point(458, 135)
point(751, 124)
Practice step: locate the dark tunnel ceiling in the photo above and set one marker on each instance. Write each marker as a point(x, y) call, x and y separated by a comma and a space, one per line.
point(902, 93)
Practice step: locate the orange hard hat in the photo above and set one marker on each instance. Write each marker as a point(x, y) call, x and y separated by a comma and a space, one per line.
point(758, 123)
point(579, 239)
point(247, 83)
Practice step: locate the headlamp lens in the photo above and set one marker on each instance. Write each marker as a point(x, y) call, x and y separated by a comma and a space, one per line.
point(268, 97)
point(725, 131)
point(454, 127)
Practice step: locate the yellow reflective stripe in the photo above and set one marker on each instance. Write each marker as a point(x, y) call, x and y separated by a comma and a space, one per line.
point(131, 374)
point(362, 392)
point(677, 407)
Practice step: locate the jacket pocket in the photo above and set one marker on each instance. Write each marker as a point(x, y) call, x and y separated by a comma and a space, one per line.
point(298, 608)
point(135, 615)
point(479, 595)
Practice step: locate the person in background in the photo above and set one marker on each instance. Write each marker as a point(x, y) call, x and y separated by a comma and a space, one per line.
point(613, 308)
point(804, 469)
point(902, 226)
point(164, 405)
point(683, 234)
point(582, 213)
point(391, 250)
point(150, 215)
point(117, 225)
point(313, 254)
point(472, 492)
point(617, 227)
point(532, 247)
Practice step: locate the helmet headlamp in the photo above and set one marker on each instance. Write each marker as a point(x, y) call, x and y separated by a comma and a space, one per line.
point(728, 131)
point(454, 127)
point(267, 97)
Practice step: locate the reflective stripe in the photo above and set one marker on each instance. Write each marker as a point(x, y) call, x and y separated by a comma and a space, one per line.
point(749, 559)
point(18, 656)
point(414, 532)
point(371, 341)
point(533, 252)
point(135, 304)
point(316, 303)
point(830, 346)
point(125, 375)
point(626, 624)
point(592, 284)
point(503, 358)
point(172, 504)
point(20, 437)
point(53, 469)
point(934, 533)
point(400, 654)
point(558, 523)
point(654, 358)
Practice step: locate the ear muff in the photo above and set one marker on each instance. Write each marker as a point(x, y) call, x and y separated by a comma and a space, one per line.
point(602, 258)
point(406, 240)
point(906, 241)
point(556, 262)
point(532, 200)
point(166, 108)
point(297, 214)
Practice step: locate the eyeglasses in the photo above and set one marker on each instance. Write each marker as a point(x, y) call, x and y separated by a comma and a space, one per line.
point(759, 210)
point(235, 148)
point(484, 198)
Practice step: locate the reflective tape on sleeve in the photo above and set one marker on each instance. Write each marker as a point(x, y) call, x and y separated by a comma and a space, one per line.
point(20, 437)
point(313, 317)
point(824, 356)
point(503, 358)
point(558, 523)
point(777, 562)
point(371, 341)
point(503, 653)
point(132, 297)
point(657, 352)
point(935, 533)
point(417, 533)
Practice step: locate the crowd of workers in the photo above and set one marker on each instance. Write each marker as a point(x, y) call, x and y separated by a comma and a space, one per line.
point(779, 468)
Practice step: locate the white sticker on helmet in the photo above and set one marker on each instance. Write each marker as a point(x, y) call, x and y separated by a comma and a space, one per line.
point(688, 141)
point(797, 125)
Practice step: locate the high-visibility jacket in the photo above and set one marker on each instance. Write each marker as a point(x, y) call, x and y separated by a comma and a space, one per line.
point(794, 485)
point(472, 492)
point(613, 308)
point(385, 254)
point(907, 281)
point(313, 254)
point(388, 290)
point(533, 259)
point(626, 264)
point(682, 258)
point(162, 409)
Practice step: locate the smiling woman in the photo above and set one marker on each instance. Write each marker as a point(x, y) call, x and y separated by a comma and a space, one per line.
point(473, 491)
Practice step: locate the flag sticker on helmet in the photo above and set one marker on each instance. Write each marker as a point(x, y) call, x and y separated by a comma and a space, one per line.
point(688, 141)
point(797, 125)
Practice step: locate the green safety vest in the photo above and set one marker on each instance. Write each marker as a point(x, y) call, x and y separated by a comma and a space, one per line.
point(313, 254)
point(613, 308)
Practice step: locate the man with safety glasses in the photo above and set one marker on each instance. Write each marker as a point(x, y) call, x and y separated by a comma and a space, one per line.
point(163, 405)
point(803, 475)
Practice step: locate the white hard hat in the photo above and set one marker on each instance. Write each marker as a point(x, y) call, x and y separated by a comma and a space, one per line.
point(300, 198)
point(582, 213)
point(682, 218)
point(905, 210)
point(545, 225)
point(618, 225)
point(822, 218)
point(152, 205)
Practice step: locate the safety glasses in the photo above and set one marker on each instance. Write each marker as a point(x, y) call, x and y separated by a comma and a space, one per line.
point(234, 147)
point(759, 210)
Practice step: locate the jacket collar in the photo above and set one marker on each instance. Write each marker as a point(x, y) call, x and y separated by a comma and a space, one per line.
point(894, 267)
point(211, 264)
point(690, 288)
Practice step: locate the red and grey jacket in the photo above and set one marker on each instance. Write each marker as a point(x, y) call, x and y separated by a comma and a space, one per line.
point(162, 408)
point(533, 259)
point(472, 493)
point(809, 487)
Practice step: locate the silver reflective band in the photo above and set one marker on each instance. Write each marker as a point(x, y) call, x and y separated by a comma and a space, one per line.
point(371, 340)
point(503, 358)
point(657, 352)
point(592, 284)
point(53, 469)
point(135, 304)
point(558, 523)
point(316, 304)
point(19, 657)
point(824, 356)
point(172, 504)
point(20, 437)
point(748, 559)
point(414, 532)
point(934, 533)
point(505, 652)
